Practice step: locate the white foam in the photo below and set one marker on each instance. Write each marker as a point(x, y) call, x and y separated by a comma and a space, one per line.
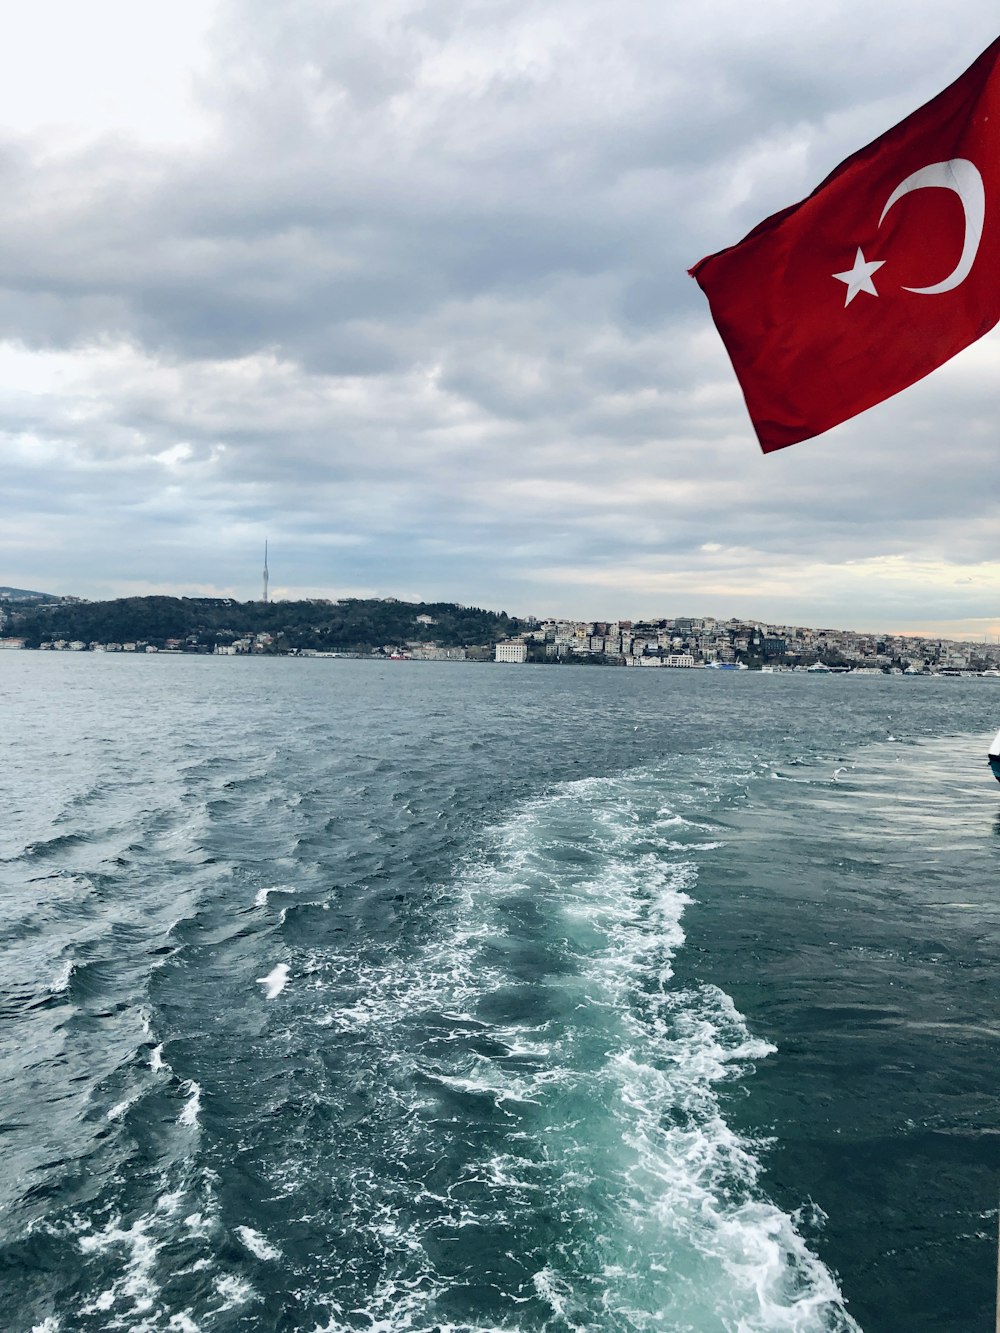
point(275, 981)
point(258, 1246)
point(118, 1111)
point(184, 1323)
point(61, 980)
point(262, 895)
point(138, 1286)
point(169, 1202)
point(235, 1291)
point(48, 1325)
point(125, 1290)
point(497, 1090)
point(519, 1048)
point(557, 1294)
point(692, 1183)
point(192, 1107)
point(156, 1060)
point(509, 1172)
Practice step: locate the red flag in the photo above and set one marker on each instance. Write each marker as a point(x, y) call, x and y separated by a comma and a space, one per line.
point(884, 272)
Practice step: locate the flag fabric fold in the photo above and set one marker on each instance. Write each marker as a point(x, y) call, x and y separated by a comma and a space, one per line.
point(888, 269)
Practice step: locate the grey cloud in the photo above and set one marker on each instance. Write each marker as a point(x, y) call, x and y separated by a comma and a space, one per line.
point(460, 232)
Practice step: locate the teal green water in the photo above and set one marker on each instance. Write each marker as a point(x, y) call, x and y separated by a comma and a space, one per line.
point(343, 995)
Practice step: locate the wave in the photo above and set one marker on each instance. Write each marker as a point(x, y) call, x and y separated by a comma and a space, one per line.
point(60, 982)
point(55, 845)
point(119, 1109)
point(192, 1107)
point(262, 895)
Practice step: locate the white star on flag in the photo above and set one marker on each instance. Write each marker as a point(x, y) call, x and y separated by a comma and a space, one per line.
point(859, 278)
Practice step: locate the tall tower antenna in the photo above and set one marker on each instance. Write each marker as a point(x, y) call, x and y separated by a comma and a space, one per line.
point(265, 569)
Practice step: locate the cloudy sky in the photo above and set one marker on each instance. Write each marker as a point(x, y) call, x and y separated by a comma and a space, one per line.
point(400, 286)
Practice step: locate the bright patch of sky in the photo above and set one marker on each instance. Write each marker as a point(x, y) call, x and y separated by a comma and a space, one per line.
point(71, 73)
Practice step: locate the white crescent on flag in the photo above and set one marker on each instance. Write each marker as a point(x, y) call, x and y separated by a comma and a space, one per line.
point(962, 176)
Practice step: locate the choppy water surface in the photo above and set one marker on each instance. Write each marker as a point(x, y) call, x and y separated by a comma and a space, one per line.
point(353, 996)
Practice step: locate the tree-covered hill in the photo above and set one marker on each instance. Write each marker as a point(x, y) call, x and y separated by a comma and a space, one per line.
point(353, 624)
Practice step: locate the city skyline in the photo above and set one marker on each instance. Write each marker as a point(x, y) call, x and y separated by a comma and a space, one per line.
point(8, 604)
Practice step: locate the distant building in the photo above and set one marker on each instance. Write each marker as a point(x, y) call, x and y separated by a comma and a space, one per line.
point(431, 652)
point(511, 652)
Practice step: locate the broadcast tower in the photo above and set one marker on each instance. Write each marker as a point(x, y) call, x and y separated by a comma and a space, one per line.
point(265, 569)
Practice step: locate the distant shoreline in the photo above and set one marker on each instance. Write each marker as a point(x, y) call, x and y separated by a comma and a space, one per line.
point(588, 664)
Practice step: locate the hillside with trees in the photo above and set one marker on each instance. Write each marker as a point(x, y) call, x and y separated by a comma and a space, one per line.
point(350, 625)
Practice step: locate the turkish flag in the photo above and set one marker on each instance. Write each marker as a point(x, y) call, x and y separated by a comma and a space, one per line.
point(886, 270)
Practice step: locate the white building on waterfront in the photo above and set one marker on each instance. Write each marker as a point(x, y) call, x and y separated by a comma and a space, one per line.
point(511, 652)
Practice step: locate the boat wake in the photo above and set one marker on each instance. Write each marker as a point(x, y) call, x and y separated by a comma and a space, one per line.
point(560, 1093)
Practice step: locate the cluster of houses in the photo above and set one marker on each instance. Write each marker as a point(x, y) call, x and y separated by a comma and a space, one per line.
point(706, 641)
point(249, 644)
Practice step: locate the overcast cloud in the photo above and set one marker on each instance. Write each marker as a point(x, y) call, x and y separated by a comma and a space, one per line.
point(401, 287)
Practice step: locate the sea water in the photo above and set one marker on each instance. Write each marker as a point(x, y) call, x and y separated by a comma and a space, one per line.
point(398, 996)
